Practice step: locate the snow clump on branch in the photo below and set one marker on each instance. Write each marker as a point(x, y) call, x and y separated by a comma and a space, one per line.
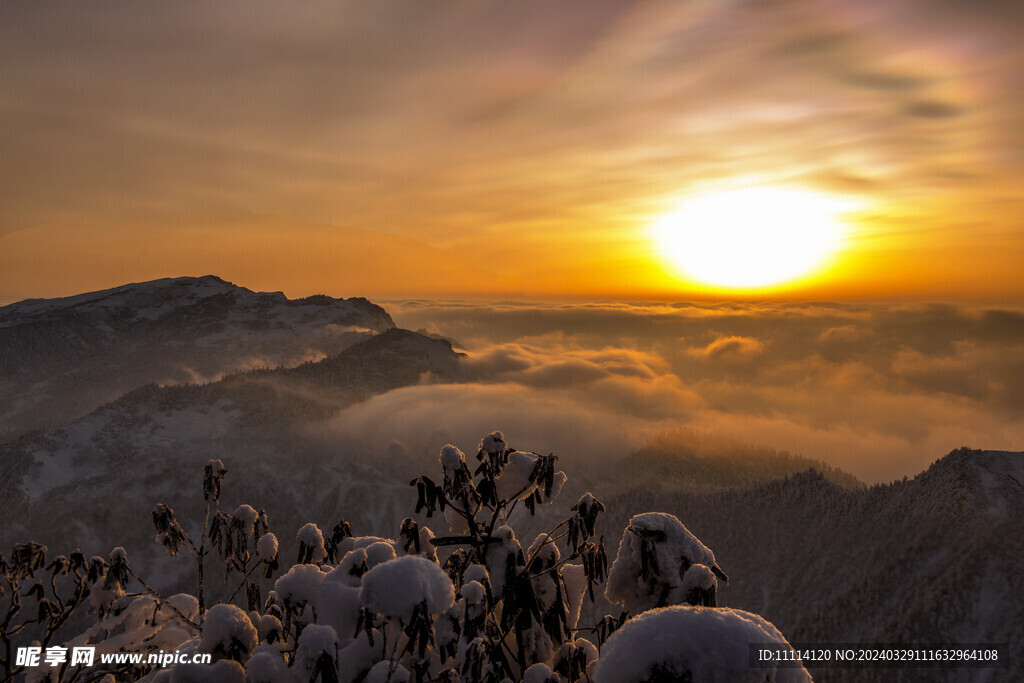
point(691, 644)
point(654, 555)
point(398, 587)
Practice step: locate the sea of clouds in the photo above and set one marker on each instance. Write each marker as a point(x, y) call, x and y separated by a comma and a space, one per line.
point(880, 390)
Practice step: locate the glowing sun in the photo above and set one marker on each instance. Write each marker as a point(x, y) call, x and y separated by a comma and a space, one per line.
point(750, 237)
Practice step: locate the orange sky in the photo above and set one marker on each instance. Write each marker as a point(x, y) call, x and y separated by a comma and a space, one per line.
point(508, 149)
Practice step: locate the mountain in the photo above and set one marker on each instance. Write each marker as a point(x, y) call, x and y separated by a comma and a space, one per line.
point(93, 483)
point(935, 559)
point(61, 358)
point(689, 460)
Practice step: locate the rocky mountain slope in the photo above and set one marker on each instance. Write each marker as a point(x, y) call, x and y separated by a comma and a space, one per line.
point(61, 358)
point(92, 484)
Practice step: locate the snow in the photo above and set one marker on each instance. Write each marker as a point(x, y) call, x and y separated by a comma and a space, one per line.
point(699, 576)
point(227, 630)
point(298, 586)
point(354, 542)
point(351, 568)
point(156, 299)
point(497, 557)
point(223, 671)
point(447, 626)
point(267, 624)
point(473, 592)
point(544, 552)
point(456, 521)
point(700, 586)
point(476, 572)
point(311, 537)
point(567, 649)
point(61, 464)
point(379, 553)
point(146, 300)
point(514, 480)
point(452, 459)
point(364, 553)
point(136, 624)
point(358, 657)
point(246, 516)
point(542, 555)
point(388, 672)
point(396, 588)
point(101, 597)
point(675, 549)
point(556, 487)
point(315, 641)
point(266, 547)
point(186, 604)
point(267, 666)
point(427, 548)
point(493, 443)
point(575, 589)
point(337, 605)
point(692, 643)
point(540, 673)
point(587, 509)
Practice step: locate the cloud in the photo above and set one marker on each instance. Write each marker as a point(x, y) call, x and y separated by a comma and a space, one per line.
point(880, 390)
point(559, 364)
point(534, 139)
point(729, 348)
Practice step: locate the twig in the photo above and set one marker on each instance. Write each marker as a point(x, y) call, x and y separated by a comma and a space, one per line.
point(164, 600)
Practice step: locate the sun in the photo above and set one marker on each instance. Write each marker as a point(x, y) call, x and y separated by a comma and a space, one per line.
point(750, 237)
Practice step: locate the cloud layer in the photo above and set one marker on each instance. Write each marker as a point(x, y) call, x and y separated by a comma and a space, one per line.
point(879, 390)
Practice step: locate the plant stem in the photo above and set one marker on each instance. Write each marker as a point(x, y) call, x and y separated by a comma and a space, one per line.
point(163, 600)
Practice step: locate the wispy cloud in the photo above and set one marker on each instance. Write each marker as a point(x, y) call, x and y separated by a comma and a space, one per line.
point(531, 138)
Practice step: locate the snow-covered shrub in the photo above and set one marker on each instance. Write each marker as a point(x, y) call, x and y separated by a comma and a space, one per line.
point(400, 587)
point(228, 633)
point(655, 554)
point(142, 623)
point(685, 643)
point(471, 605)
point(316, 657)
point(296, 591)
point(311, 545)
point(266, 666)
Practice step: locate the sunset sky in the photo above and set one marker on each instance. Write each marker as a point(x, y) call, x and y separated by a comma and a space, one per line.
point(518, 149)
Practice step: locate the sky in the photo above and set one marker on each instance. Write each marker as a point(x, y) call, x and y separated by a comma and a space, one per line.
point(511, 149)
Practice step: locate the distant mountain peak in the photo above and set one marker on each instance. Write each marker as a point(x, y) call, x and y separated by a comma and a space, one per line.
point(395, 346)
point(156, 298)
point(973, 461)
point(990, 478)
point(98, 345)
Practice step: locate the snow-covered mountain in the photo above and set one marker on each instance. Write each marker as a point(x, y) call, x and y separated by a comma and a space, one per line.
point(934, 559)
point(60, 358)
point(93, 483)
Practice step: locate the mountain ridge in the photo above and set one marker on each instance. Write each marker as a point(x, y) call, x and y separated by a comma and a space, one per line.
point(936, 558)
point(60, 358)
